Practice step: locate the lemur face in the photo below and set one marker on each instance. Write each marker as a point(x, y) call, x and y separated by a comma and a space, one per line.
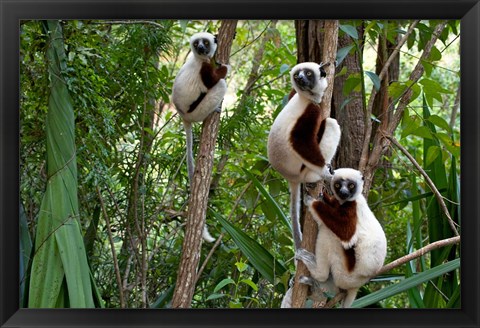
point(309, 78)
point(305, 78)
point(347, 184)
point(203, 45)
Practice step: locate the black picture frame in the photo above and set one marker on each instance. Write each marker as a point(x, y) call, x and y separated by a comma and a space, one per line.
point(12, 11)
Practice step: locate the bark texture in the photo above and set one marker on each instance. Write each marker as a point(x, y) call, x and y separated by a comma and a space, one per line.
point(316, 31)
point(198, 201)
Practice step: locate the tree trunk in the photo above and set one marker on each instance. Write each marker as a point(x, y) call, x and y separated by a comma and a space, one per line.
point(197, 205)
point(328, 31)
point(351, 116)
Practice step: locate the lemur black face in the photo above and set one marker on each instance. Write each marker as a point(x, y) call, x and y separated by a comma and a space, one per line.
point(344, 188)
point(202, 46)
point(305, 79)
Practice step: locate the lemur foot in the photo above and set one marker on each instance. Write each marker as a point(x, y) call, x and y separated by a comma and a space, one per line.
point(306, 257)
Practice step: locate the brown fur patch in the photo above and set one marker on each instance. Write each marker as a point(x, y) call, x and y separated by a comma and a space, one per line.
point(210, 75)
point(350, 258)
point(321, 131)
point(291, 94)
point(340, 219)
point(304, 135)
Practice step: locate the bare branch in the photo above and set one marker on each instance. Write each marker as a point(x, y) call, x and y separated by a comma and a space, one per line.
point(422, 251)
point(368, 127)
point(430, 183)
point(114, 253)
point(380, 143)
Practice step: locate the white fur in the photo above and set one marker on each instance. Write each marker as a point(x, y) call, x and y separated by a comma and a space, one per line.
point(319, 89)
point(188, 85)
point(369, 241)
point(285, 159)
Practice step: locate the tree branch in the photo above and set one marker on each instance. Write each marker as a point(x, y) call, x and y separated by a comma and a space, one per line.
point(368, 127)
point(418, 253)
point(380, 143)
point(430, 183)
point(114, 253)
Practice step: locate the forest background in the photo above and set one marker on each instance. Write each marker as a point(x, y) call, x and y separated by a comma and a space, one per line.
point(103, 182)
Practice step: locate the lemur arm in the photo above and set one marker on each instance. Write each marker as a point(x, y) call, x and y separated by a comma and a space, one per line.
point(210, 75)
point(341, 220)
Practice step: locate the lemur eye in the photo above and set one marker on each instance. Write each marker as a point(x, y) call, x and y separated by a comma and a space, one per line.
point(337, 185)
point(206, 43)
point(351, 186)
point(195, 43)
point(309, 73)
point(295, 75)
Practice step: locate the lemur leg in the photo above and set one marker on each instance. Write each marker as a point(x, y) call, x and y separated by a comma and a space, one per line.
point(349, 298)
point(295, 213)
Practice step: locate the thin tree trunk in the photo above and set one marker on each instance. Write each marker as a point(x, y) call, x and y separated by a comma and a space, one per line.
point(197, 205)
point(310, 228)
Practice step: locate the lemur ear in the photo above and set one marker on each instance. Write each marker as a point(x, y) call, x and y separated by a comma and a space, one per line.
point(322, 70)
point(215, 38)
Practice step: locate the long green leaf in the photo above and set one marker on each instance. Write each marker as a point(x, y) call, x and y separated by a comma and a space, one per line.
point(269, 199)
point(406, 284)
point(59, 248)
point(257, 255)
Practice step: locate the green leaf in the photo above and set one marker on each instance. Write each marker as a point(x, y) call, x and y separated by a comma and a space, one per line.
point(342, 53)
point(406, 284)
point(223, 283)
point(250, 283)
point(256, 254)
point(375, 79)
point(435, 54)
point(440, 122)
point(59, 248)
point(215, 296)
point(423, 132)
point(241, 266)
point(269, 198)
point(350, 30)
point(432, 154)
point(353, 83)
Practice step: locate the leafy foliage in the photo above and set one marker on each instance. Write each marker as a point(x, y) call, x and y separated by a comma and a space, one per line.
point(128, 144)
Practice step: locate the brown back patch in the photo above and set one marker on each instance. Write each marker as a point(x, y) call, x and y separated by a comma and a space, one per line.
point(350, 258)
point(304, 135)
point(210, 75)
point(340, 219)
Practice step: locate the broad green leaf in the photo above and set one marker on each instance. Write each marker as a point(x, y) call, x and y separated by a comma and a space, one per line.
point(250, 283)
point(432, 154)
point(269, 198)
point(440, 122)
point(215, 296)
point(59, 248)
point(342, 53)
point(223, 283)
point(353, 83)
point(241, 266)
point(375, 79)
point(350, 30)
point(256, 254)
point(423, 132)
point(406, 284)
